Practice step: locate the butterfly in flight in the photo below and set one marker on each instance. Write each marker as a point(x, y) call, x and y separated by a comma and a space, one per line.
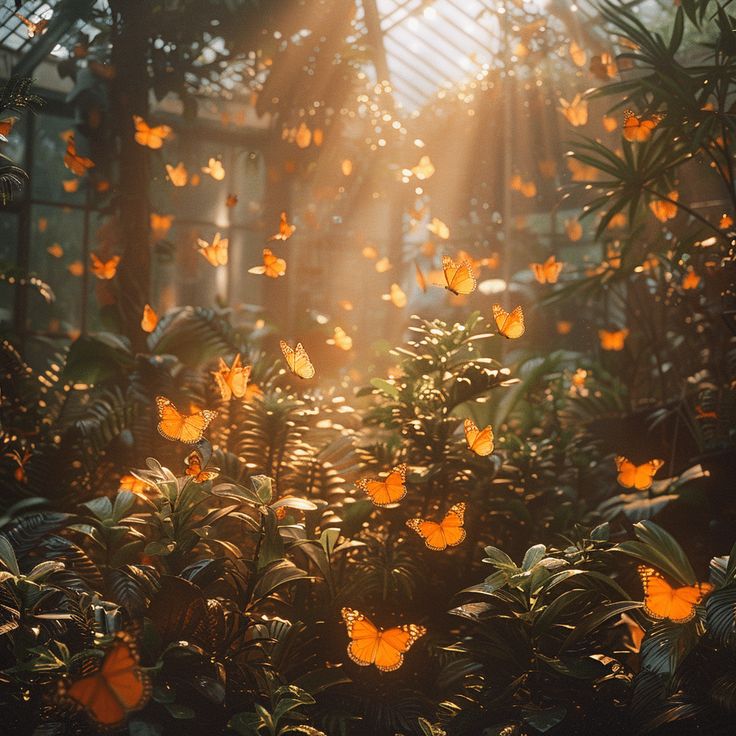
point(480, 441)
point(439, 228)
point(285, 229)
point(341, 339)
point(440, 535)
point(149, 319)
point(640, 477)
point(215, 169)
point(639, 129)
point(232, 380)
point(509, 324)
point(118, 687)
point(77, 164)
point(388, 491)
point(273, 266)
point(37, 28)
point(459, 279)
point(663, 601)
point(104, 270)
point(613, 339)
point(215, 253)
point(384, 648)
point(193, 463)
point(178, 175)
point(160, 224)
point(297, 360)
point(231, 200)
point(152, 137)
point(186, 428)
point(547, 272)
point(575, 111)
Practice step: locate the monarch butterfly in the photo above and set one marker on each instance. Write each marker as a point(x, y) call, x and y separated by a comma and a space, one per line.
point(609, 123)
point(424, 169)
point(186, 428)
point(639, 129)
point(160, 224)
point(193, 463)
point(285, 229)
point(447, 533)
point(613, 339)
point(33, 29)
point(232, 380)
point(76, 268)
point(663, 209)
point(77, 164)
point(215, 169)
point(104, 270)
point(273, 267)
point(396, 296)
point(438, 228)
point(341, 339)
point(215, 253)
point(117, 688)
point(575, 111)
point(509, 324)
point(388, 491)
point(640, 477)
point(547, 272)
point(297, 360)
point(151, 137)
point(6, 126)
point(178, 175)
point(458, 279)
point(385, 648)
point(662, 601)
point(480, 441)
point(149, 319)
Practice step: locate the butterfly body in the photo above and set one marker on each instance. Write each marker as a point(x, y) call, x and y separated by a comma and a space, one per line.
point(439, 536)
point(640, 477)
point(215, 253)
point(273, 266)
point(547, 272)
point(388, 491)
point(193, 463)
point(509, 324)
point(104, 270)
point(459, 279)
point(186, 428)
point(285, 229)
point(150, 136)
point(613, 339)
point(663, 601)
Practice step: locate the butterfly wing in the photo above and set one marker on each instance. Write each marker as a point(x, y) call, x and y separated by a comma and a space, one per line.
point(480, 441)
point(388, 491)
point(430, 531)
point(364, 637)
point(394, 643)
point(662, 601)
point(644, 474)
point(224, 387)
point(626, 472)
point(297, 360)
point(180, 427)
point(459, 278)
point(238, 378)
point(509, 324)
point(452, 525)
point(149, 319)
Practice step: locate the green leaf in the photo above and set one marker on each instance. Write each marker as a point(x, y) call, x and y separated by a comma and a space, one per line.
point(328, 540)
point(7, 555)
point(97, 358)
point(275, 576)
point(533, 556)
point(385, 387)
point(124, 502)
point(604, 612)
point(263, 488)
point(100, 507)
point(245, 724)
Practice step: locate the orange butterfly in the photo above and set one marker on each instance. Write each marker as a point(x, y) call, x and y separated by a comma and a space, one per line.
point(77, 164)
point(384, 648)
point(663, 209)
point(458, 279)
point(690, 280)
point(178, 175)
point(574, 230)
point(341, 339)
point(149, 319)
point(639, 129)
point(509, 324)
point(424, 169)
point(640, 477)
point(55, 250)
point(564, 327)
point(231, 201)
point(396, 296)
point(547, 272)
point(438, 228)
point(70, 185)
point(273, 267)
point(33, 29)
point(480, 441)
point(6, 126)
point(193, 464)
point(151, 137)
point(160, 224)
point(725, 222)
point(385, 492)
point(285, 229)
point(447, 533)
point(104, 270)
point(215, 169)
point(577, 54)
point(575, 111)
point(603, 66)
point(20, 460)
point(76, 268)
point(117, 688)
point(297, 360)
point(130, 483)
point(215, 253)
point(186, 428)
point(613, 339)
point(662, 601)
point(232, 380)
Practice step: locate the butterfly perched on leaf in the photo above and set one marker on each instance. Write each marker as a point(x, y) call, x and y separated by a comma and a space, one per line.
point(480, 441)
point(297, 360)
point(638, 129)
point(384, 648)
point(104, 270)
point(215, 169)
point(193, 463)
point(232, 380)
point(285, 229)
point(509, 324)
point(640, 477)
point(547, 272)
point(178, 175)
point(613, 339)
point(440, 535)
point(215, 253)
point(384, 492)
point(77, 164)
point(108, 693)
point(150, 136)
point(459, 278)
point(178, 427)
point(273, 266)
point(149, 319)
point(663, 601)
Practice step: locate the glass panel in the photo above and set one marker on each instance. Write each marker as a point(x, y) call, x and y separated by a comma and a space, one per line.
point(8, 255)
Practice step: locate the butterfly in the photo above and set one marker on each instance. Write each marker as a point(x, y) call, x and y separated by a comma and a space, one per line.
point(178, 175)
point(130, 483)
point(690, 280)
point(303, 136)
point(151, 137)
point(574, 230)
point(459, 279)
point(273, 267)
point(186, 428)
point(447, 533)
point(439, 228)
point(232, 380)
point(117, 688)
point(385, 648)
point(385, 492)
point(285, 229)
point(369, 252)
point(662, 601)
point(575, 111)
point(77, 164)
point(194, 470)
point(33, 29)
point(215, 169)
point(640, 477)
point(104, 270)
point(577, 54)
point(341, 339)
point(509, 324)
point(639, 129)
point(424, 169)
point(480, 441)
point(231, 200)
point(215, 253)
point(725, 222)
point(613, 339)
point(396, 296)
point(609, 123)
point(160, 224)
point(663, 209)
point(20, 460)
point(603, 66)
point(564, 327)
point(297, 360)
point(55, 250)
point(6, 126)
point(76, 268)
point(149, 319)
point(547, 272)
point(70, 185)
